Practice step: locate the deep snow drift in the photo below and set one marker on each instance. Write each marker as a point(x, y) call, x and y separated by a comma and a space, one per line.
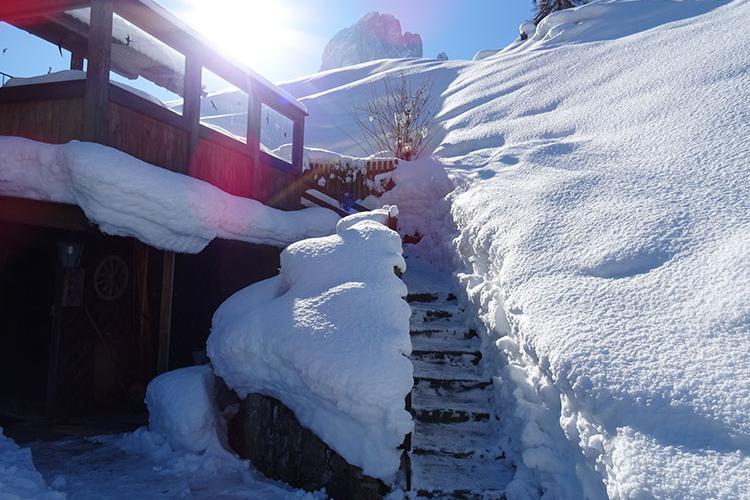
point(128, 197)
point(602, 215)
point(328, 338)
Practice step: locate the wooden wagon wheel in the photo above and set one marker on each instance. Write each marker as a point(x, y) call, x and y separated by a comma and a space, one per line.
point(111, 278)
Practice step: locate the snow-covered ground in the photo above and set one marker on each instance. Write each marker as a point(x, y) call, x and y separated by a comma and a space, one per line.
point(135, 465)
point(601, 215)
point(599, 222)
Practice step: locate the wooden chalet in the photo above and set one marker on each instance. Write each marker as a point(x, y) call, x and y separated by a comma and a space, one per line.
point(86, 320)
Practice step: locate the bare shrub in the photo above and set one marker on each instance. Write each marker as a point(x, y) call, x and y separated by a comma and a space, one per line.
point(398, 119)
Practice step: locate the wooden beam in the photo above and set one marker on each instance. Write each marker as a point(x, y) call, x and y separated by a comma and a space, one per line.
point(191, 104)
point(165, 311)
point(20, 9)
point(96, 100)
point(43, 214)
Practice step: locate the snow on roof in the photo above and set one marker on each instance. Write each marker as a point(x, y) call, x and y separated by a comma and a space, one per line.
point(128, 197)
point(328, 338)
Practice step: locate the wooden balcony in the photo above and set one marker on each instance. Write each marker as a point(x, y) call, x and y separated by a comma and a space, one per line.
point(97, 110)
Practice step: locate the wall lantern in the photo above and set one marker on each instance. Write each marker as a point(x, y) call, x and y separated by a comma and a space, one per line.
point(69, 253)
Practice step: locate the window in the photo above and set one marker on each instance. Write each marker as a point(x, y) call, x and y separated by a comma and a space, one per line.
point(223, 106)
point(276, 131)
point(145, 66)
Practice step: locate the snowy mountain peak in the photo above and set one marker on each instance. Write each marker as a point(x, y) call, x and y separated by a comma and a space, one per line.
point(375, 36)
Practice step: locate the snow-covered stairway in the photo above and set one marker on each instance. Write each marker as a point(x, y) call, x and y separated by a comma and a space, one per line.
point(454, 447)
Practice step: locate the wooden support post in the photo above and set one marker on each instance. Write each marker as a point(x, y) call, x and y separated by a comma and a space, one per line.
point(191, 109)
point(96, 100)
point(298, 145)
point(165, 311)
point(76, 61)
point(254, 107)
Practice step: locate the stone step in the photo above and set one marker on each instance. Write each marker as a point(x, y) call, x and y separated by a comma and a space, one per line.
point(437, 315)
point(452, 358)
point(467, 437)
point(453, 395)
point(421, 297)
point(427, 297)
point(447, 332)
point(448, 415)
point(447, 475)
point(448, 343)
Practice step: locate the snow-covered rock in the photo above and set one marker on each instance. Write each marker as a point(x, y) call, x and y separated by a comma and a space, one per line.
point(128, 197)
point(182, 408)
point(375, 36)
point(328, 338)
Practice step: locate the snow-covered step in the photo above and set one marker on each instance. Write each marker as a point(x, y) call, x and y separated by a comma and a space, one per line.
point(457, 395)
point(445, 357)
point(445, 475)
point(451, 342)
point(429, 368)
point(435, 315)
point(427, 297)
point(470, 437)
point(455, 330)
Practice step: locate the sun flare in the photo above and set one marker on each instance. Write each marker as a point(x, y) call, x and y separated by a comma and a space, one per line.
point(254, 32)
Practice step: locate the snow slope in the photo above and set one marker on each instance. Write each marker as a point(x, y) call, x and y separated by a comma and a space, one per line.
point(602, 220)
point(328, 338)
point(128, 197)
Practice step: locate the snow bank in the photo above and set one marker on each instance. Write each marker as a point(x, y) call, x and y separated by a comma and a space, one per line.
point(182, 408)
point(19, 479)
point(604, 225)
point(128, 197)
point(419, 191)
point(328, 337)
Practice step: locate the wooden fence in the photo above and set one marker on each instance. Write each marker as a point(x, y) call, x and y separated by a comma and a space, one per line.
point(349, 181)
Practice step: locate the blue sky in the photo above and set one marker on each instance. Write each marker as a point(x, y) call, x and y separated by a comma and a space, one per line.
point(290, 35)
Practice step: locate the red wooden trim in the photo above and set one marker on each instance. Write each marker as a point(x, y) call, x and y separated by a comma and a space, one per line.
point(19, 9)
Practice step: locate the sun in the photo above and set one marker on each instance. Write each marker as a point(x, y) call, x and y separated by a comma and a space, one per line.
point(252, 31)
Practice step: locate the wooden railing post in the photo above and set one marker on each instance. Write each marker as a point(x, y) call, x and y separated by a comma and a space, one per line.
point(254, 107)
point(191, 105)
point(298, 145)
point(96, 99)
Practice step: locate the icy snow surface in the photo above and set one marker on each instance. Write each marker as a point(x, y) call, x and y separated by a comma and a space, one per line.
point(328, 338)
point(128, 197)
point(602, 208)
point(19, 479)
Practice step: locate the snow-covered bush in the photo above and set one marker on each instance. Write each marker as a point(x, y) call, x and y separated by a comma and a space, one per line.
point(398, 119)
point(328, 338)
